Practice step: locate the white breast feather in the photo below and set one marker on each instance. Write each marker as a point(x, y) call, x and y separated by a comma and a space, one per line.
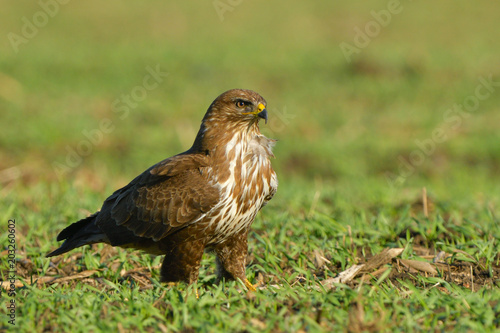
point(229, 220)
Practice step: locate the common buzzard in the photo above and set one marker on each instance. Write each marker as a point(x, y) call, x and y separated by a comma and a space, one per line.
point(204, 199)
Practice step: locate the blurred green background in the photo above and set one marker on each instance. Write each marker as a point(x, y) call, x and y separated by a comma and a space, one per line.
point(344, 126)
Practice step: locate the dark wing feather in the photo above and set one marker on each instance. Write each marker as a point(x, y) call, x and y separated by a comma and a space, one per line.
point(179, 163)
point(165, 198)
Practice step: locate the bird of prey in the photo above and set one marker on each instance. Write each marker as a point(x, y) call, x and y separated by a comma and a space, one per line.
point(204, 199)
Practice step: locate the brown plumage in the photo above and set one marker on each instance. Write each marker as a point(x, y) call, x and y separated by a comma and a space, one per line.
point(203, 199)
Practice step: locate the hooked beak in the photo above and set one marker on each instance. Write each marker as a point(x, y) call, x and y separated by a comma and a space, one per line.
point(262, 112)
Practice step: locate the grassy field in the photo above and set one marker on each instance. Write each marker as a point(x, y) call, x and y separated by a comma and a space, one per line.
point(388, 120)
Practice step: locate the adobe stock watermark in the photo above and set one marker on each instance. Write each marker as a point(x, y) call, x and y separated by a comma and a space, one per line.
point(223, 6)
point(122, 107)
point(280, 120)
point(372, 29)
point(11, 272)
point(31, 26)
point(453, 118)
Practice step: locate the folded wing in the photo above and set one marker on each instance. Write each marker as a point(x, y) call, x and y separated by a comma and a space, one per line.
point(167, 197)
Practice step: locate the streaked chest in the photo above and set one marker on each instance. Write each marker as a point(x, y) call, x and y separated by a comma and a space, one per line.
point(246, 181)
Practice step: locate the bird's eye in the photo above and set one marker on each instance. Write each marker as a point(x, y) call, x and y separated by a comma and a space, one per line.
point(240, 104)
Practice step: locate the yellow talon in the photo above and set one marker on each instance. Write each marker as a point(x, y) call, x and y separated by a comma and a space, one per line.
point(249, 285)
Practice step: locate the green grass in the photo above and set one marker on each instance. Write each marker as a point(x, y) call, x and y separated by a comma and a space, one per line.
point(343, 129)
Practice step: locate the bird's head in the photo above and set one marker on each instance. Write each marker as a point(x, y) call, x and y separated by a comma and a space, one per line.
point(237, 107)
point(235, 111)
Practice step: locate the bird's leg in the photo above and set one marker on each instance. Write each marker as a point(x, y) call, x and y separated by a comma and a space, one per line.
point(231, 259)
point(182, 261)
point(250, 286)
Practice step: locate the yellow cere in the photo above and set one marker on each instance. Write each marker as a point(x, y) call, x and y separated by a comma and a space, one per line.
point(260, 107)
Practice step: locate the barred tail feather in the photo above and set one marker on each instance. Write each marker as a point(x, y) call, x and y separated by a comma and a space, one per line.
point(78, 234)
